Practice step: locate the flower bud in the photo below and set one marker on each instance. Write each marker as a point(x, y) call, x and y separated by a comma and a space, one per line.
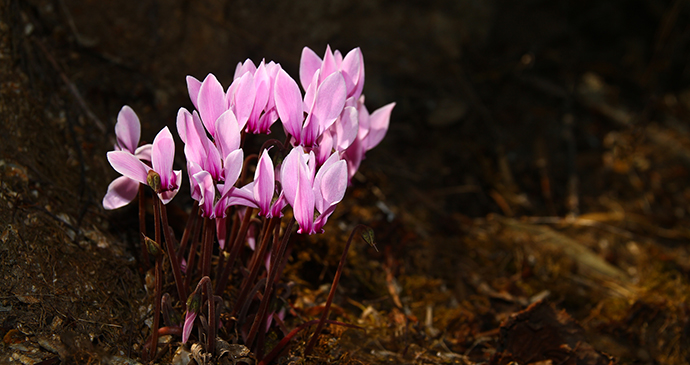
point(368, 236)
point(152, 246)
point(154, 181)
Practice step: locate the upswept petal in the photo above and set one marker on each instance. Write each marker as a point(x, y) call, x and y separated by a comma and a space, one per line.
point(289, 173)
point(227, 133)
point(120, 193)
point(332, 185)
point(346, 128)
point(308, 64)
point(353, 71)
point(193, 86)
point(127, 129)
point(162, 156)
point(212, 102)
point(262, 85)
point(288, 101)
point(233, 166)
point(244, 95)
point(128, 165)
point(329, 100)
point(183, 123)
point(328, 66)
point(378, 125)
point(264, 186)
point(242, 68)
point(303, 208)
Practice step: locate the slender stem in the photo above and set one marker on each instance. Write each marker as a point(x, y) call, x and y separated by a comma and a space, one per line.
point(212, 322)
point(157, 307)
point(189, 227)
point(191, 258)
point(174, 262)
point(260, 319)
point(142, 225)
point(256, 263)
point(331, 294)
point(207, 247)
point(234, 252)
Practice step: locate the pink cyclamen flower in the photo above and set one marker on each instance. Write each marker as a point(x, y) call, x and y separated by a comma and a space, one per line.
point(323, 102)
point(313, 195)
point(250, 96)
point(161, 177)
point(351, 67)
point(372, 129)
point(127, 133)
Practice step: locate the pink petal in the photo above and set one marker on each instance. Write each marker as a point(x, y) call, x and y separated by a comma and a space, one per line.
point(120, 193)
point(183, 123)
point(328, 66)
point(193, 86)
point(262, 84)
point(233, 166)
point(288, 101)
point(127, 129)
point(346, 128)
point(221, 230)
point(329, 100)
point(264, 186)
point(308, 64)
point(205, 182)
point(242, 68)
point(167, 195)
point(289, 173)
point(128, 165)
point(162, 156)
point(244, 95)
point(333, 184)
point(325, 147)
point(212, 102)
point(303, 208)
point(353, 71)
point(188, 325)
point(144, 152)
point(379, 121)
point(227, 133)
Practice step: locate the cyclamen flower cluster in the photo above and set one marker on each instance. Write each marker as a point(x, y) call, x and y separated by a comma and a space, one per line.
point(329, 130)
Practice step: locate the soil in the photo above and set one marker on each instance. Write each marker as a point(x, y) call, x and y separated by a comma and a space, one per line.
point(529, 202)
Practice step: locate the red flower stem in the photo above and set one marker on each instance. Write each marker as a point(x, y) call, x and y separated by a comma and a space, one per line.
point(142, 225)
point(256, 263)
point(234, 252)
point(212, 322)
point(207, 247)
point(157, 306)
point(189, 227)
point(331, 294)
point(260, 319)
point(191, 258)
point(174, 262)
